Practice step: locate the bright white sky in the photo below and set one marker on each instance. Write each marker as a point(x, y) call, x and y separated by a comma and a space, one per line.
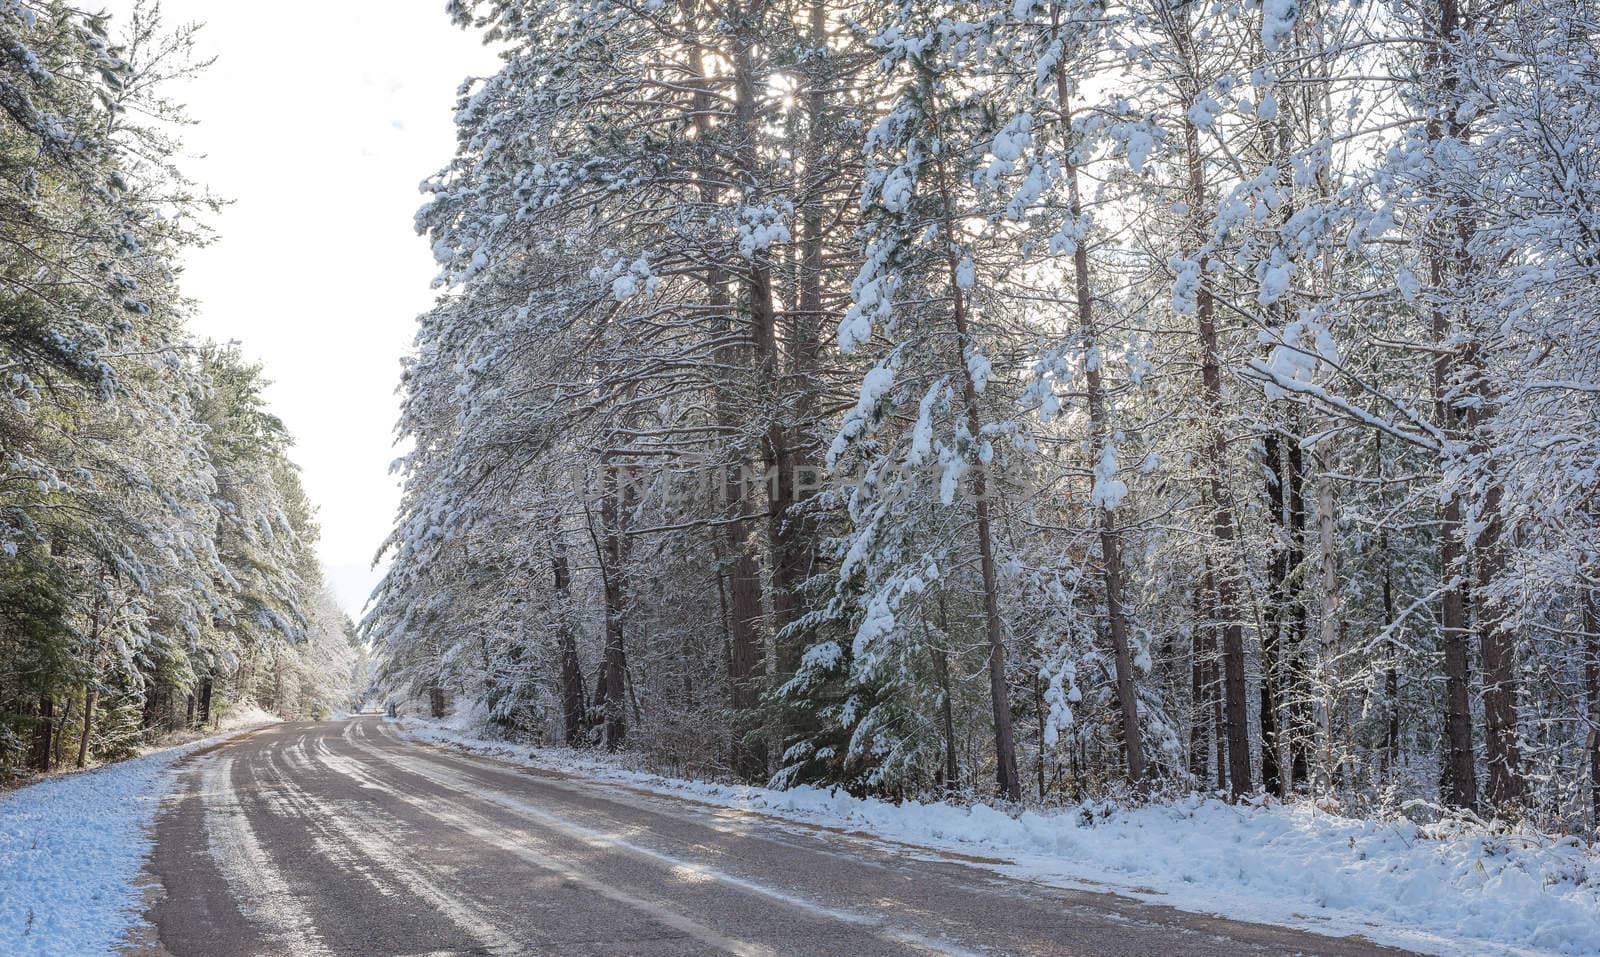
point(318, 120)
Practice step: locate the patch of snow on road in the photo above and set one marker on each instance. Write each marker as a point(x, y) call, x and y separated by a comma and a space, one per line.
point(71, 848)
point(1437, 888)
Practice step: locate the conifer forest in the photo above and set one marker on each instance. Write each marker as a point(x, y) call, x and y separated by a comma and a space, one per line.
point(869, 477)
point(1038, 398)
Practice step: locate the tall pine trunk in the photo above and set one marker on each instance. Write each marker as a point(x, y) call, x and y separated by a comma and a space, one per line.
point(614, 674)
point(91, 696)
point(1100, 433)
point(1006, 775)
point(1235, 703)
point(999, 691)
point(572, 704)
point(44, 726)
point(1460, 775)
point(746, 660)
point(1278, 589)
point(1591, 684)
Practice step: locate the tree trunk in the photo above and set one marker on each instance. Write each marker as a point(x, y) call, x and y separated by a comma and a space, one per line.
point(1278, 580)
point(790, 453)
point(952, 767)
point(1199, 701)
point(1297, 684)
point(1391, 674)
point(1591, 682)
point(91, 697)
point(999, 691)
point(616, 659)
point(746, 651)
point(60, 733)
point(1235, 707)
point(1213, 679)
point(746, 654)
point(206, 686)
point(1328, 612)
point(1497, 653)
point(1100, 433)
point(1006, 776)
point(44, 726)
point(1460, 778)
point(572, 703)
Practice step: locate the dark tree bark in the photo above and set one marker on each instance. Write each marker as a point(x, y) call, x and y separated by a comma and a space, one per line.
point(1100, 433)
point(1199, 702)
point(1460, 777)
point(1297, 683)
point(1278, 580)
point(952, 766)
point(614, 699)
point(1235, 706)
point(746, 652)
point(572, 704)
point(1498, 663)
point(1591, 683)
point(1391, 674)
point(791, 453)
point(91, 696)
point(207, 684)
point(1006, 776)
point(44, 726)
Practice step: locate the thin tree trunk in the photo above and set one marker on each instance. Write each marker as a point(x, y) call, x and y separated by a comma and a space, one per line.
point(616, 658)
point(91, 696)
point(60, 733)
point(1099, 443)
point(941, 663)
point(1328, 613)
point(1235, 706)
point(1297, 686)
point(44, 726)
point(1591, 682)
point(1391, 675)
point(1006, 776)
point(999, 693)
point(1278, 575)
point(746, 647)
point(1199, 703)
point(1213, 680)
point(572, 704)
point(207, 686)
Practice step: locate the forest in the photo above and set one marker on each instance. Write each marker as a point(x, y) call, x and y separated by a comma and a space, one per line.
point(157, 563)
point(1047, 400)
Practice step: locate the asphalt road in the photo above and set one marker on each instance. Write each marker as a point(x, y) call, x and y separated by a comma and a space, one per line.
point(343, 838)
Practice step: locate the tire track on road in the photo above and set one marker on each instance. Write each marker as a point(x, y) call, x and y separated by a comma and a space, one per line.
point(442, 776)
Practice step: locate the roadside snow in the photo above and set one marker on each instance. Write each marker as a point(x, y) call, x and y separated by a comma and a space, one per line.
point(1433, 888)
point(72, 846)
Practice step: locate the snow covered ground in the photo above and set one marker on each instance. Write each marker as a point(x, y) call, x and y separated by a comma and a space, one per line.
point(72, 846)
point(1443, 889)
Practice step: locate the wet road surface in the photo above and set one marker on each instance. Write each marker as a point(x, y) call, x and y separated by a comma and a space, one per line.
point(343, 838)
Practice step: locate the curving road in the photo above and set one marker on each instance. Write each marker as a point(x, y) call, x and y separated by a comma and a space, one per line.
point(342, 838)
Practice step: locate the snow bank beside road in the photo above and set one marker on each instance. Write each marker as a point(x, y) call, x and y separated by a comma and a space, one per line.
point(72, 846)
point(1437, 888)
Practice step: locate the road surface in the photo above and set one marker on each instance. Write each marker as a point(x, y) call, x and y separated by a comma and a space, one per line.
point(344, 838)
